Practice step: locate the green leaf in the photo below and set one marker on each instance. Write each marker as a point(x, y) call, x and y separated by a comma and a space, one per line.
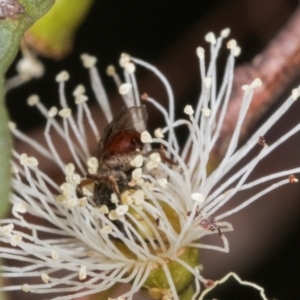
point(13, 28)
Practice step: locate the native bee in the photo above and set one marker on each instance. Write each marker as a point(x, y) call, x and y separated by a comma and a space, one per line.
point(118, 146)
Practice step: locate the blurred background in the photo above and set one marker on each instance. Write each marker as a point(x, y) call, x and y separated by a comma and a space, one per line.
point(265, 245)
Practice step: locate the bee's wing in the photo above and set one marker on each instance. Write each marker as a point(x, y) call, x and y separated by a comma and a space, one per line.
point(139, 118)
point(134, 117)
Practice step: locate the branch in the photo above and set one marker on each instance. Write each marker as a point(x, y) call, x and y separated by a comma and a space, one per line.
point(277, 66)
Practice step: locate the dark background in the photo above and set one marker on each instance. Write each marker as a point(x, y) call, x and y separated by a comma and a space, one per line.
point(152, 30)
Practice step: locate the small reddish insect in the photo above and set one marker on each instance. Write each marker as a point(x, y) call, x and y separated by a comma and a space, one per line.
point(210, 223)
point(118, 146)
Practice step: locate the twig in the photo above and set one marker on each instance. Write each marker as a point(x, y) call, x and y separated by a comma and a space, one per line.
point(277, 66)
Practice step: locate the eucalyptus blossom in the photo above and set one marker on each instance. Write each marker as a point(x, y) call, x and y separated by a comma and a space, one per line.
point(150, 233)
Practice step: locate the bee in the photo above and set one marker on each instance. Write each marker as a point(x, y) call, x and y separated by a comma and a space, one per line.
point(118, 146)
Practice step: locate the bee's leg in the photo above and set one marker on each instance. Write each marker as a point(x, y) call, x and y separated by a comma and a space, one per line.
point(106, 178)
point(84, 182)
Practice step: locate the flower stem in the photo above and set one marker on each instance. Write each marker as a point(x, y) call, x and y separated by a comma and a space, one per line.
point(5, 152)
point(188, 293)
point(53, 34)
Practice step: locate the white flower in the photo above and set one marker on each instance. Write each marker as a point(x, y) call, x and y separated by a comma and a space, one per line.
point(168, 202)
